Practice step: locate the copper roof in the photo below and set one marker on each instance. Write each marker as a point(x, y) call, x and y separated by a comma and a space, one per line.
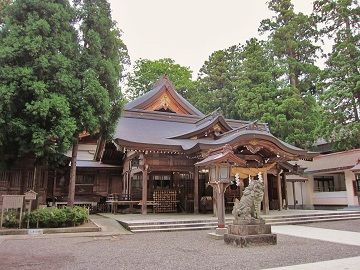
point(93, 164)
point(161, 85)
point(225, 154)
point(140, 128)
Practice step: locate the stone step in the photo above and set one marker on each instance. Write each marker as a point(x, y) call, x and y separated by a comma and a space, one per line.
point(290, 218)
point(267, 219)
point(175, 229)
point(211, 224)
point(173, 225)
point(311, 221)
point(340, 213)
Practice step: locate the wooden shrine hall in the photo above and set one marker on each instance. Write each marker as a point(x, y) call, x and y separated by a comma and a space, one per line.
point(162, 136)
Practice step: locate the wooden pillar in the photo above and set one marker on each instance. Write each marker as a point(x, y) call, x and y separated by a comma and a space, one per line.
point(54, 188)
point(144, 192)
point(266, 194)
point(293, 186)
point(214, 202)
point(285, 191)
point(196, 191)
point(278, 180)
point(71, 194)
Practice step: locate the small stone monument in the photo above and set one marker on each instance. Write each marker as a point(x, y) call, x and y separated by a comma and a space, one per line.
point(248, 227)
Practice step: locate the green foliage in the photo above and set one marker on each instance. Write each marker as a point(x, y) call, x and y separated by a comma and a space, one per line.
point(38, 73)
point(292, 36)
point(55, 217)
point(104, 53)
point(11, 219)
point(147, 72)
point(53, 84)
point(3, 5)
point(215, 82)
point(340, 87)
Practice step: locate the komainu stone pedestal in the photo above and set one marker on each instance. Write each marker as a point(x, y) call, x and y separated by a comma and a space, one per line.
point(255, 232)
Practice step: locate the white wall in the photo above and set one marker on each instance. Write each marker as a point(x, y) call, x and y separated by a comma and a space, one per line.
point(310, 197)
point(301, 199)
point(349, 179)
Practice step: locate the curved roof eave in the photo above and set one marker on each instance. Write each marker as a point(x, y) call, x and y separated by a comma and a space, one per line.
point(203, 127)
point(301, 153)
point(135, 145)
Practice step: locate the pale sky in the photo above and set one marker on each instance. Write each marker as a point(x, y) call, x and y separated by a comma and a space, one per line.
point(188, 31)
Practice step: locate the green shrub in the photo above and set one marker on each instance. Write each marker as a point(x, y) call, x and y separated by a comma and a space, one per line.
point(54, 217)
point(10, 219)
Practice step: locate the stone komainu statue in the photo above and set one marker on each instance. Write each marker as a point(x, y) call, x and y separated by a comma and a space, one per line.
point(249, 205)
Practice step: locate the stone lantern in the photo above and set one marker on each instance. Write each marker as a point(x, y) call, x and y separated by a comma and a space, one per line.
point(219, 162)
point(220, 179)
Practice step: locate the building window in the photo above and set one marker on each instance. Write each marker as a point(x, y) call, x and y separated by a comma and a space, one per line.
point(136, 182)
point(329, 183)
point(161, 181)
point(3, 179)
point(15, 179)
point(357, 179)
point(84, 183)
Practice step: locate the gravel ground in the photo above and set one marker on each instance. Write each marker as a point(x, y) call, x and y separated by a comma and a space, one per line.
point(174, 250)
point(344, 225)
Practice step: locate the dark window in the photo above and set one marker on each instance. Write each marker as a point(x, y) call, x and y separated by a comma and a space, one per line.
point(329, 183)
point(136, 182)
point(15, 178)
point(161, 181)
point(357, 176)
point(3, 179)
point(84, 183)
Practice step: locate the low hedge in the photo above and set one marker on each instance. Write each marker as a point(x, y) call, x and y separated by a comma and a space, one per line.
point(55, 217)
point(11, 219)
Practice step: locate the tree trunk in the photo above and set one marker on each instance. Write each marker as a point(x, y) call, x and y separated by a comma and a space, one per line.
point(356, 114)
point(71, 195)
point(34, 178)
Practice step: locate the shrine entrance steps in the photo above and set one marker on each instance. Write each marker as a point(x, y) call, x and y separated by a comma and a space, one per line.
point(167, 223)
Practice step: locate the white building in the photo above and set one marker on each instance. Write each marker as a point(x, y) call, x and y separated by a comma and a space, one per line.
point(333, 181)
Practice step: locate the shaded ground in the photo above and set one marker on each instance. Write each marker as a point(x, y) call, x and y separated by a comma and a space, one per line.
point(344, 225)
point(173, 250)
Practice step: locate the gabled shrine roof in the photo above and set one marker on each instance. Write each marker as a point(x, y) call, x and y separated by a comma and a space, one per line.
point(142, 128)
point(160, 87)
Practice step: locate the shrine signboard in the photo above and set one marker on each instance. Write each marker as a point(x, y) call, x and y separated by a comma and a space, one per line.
point(12, 202)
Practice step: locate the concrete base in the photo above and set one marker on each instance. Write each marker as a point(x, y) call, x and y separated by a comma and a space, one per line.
point(245, 230)
point(218, 234)
point(253, 232)
point(245, 241)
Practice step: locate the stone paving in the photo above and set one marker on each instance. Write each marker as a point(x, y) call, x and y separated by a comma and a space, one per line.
point(341, 264)
point(345, 225)
point(114, 248)
point(174, 250)
point(335, 236)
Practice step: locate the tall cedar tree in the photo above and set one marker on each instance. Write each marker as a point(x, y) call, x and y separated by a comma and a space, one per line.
point(292, 37)
point(38, 54)
point(3, 5)
point(340, 88)
point(103, 55)
point(147, 72)
point(216, 82)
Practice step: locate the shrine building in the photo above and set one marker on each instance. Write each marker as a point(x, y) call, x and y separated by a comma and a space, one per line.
point(150, 163)
point(161, 136)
